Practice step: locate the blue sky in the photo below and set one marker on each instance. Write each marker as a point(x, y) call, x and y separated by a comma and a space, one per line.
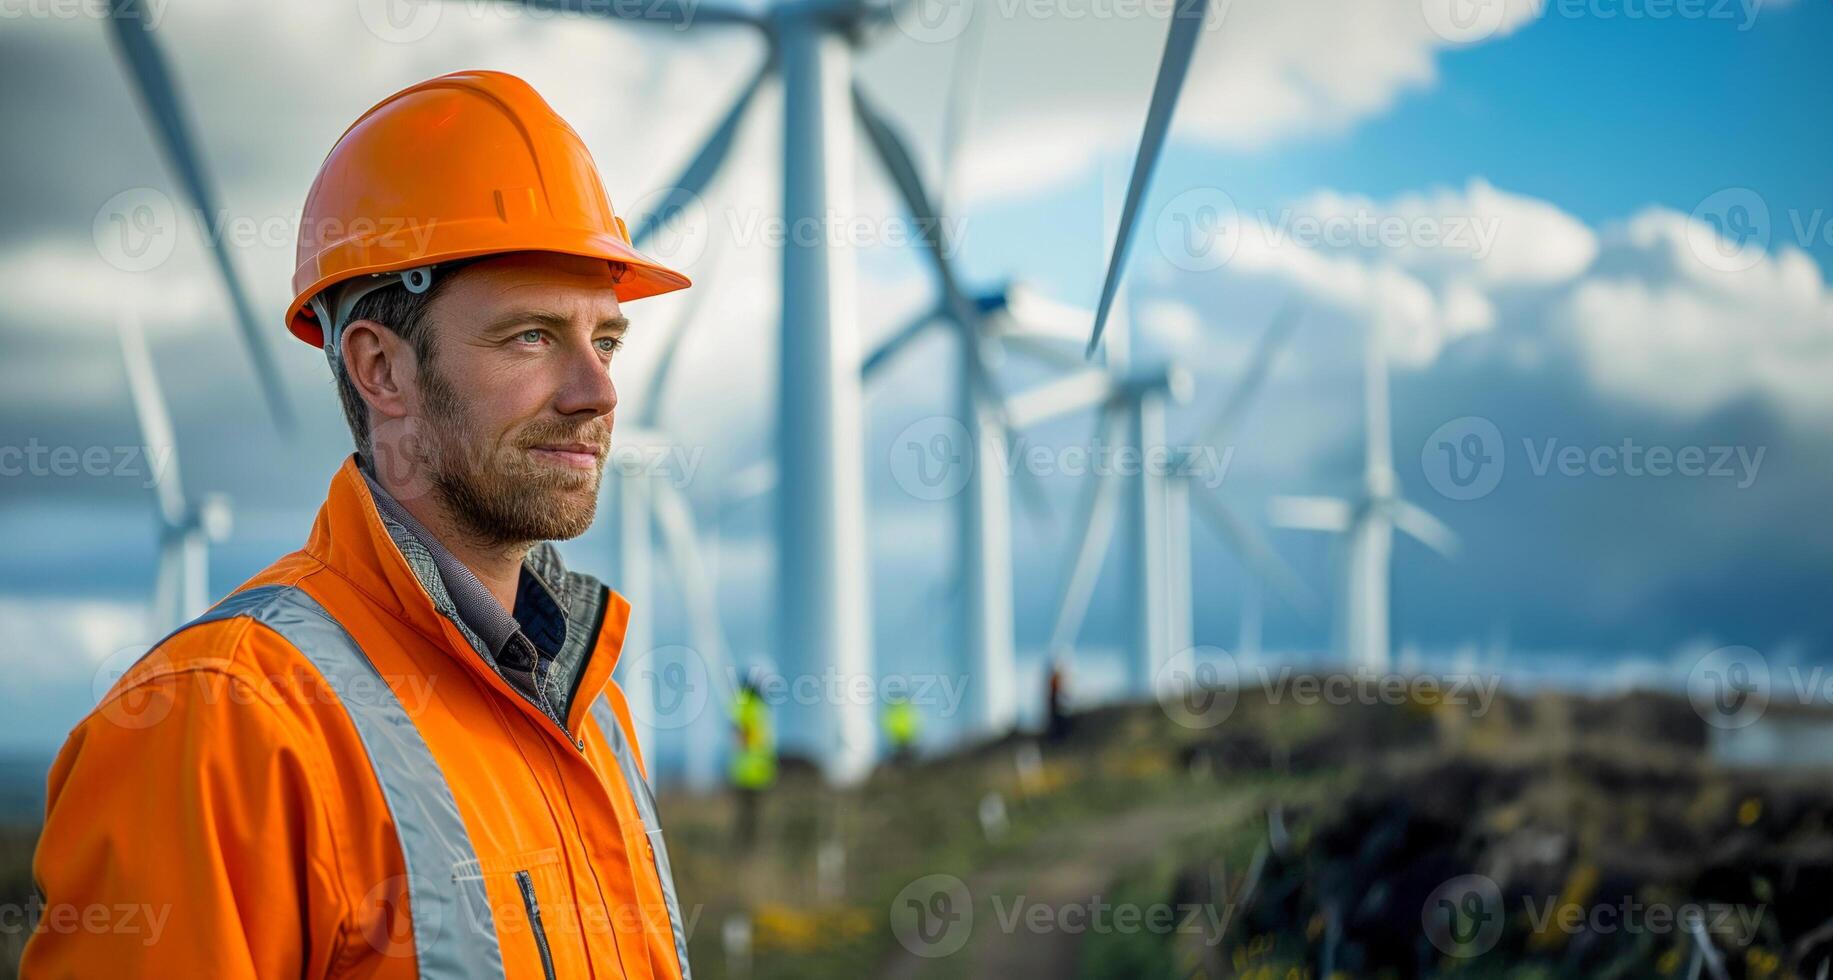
point(1588, 140)
point(1601, 116)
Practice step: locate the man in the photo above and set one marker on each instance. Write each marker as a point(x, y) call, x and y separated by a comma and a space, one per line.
point(398, 751)
point(753, 766)
point(903, 724)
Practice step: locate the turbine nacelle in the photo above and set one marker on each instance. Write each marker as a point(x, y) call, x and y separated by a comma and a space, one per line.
point(1170, 381)
point(212, 518)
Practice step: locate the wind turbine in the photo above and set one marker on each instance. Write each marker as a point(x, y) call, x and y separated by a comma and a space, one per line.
point(182, 583)
point(983, 549)
point(1242, 537)
point(1158, 501)
point(1367, 523)
point(133, 33)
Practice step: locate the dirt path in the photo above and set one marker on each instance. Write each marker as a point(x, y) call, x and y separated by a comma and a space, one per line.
point(1070, 866)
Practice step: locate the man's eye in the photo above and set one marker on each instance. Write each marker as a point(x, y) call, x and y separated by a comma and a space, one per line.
point(610, 345)
point(530, 336)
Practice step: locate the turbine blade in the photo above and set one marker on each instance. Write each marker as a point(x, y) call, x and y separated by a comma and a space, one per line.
point(133, 36)
point(1100, 502)
point(881, 355)
point(1180, 42)
point(1254, 377)
point(155, 422)
point(964, 76)
point(705, 166)
point(955, 304)
point(1426, 529)
point(1029, 313)
point(1309, 514)
point(658, 380)
point(679, 13)
point(675, 519)
point(1249, 545)
point(900, 164)
point(1030, 492)
point(1053, 399)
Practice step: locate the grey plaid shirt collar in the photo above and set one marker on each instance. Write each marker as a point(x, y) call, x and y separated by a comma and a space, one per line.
point(520, 647)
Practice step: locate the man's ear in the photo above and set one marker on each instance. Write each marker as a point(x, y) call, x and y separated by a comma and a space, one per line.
point(383, 369)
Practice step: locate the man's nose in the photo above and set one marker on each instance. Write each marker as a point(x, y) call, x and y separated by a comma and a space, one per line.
point(587, 388)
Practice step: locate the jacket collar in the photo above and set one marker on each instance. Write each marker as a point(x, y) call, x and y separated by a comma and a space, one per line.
point(352, 538)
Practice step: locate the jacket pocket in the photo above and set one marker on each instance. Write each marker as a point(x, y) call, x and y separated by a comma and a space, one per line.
point(526, 883)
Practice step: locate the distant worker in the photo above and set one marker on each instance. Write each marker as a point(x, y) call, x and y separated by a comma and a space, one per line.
point(753, 758)
point(1056, 700)
point(903, 724)
point(398, 753)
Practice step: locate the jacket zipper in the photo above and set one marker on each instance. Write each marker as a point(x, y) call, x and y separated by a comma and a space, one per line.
point(527, 885)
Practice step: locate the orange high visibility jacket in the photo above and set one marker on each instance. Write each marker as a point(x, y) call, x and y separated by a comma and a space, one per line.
point(323, 778)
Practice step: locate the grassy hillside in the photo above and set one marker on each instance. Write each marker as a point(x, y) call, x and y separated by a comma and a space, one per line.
point(1537, 837)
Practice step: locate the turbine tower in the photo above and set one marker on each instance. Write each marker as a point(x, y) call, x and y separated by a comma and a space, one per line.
point(182, 584)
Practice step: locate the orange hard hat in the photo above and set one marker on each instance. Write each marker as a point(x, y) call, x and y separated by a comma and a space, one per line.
point(467, 164)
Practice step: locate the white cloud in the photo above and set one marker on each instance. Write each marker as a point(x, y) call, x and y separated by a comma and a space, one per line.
point(1056, 90)
point(1427, 265)
point(65, 639)
point(1649, 308)
point(1275, 69)
point(1659, 325)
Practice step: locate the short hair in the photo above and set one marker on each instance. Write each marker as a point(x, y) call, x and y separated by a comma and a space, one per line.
point(405, 315)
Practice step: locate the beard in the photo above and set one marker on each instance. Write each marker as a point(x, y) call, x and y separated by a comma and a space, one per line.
point(492, 486)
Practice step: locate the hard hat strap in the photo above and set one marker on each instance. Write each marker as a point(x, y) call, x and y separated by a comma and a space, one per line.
point(334, 306)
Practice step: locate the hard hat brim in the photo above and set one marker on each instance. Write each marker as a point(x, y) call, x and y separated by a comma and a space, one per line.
point(643, 276)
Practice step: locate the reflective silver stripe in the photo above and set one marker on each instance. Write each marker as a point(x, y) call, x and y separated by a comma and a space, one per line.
point(454, 935)
point(606, 716)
